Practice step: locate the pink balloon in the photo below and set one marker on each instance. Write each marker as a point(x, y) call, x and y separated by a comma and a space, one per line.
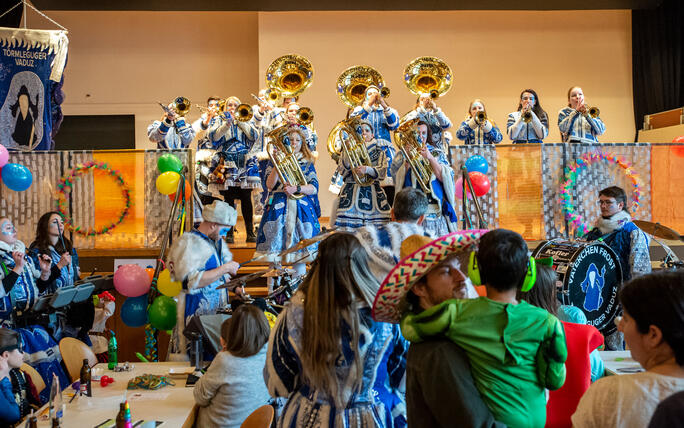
point(4, 156)
point(131, 280)
point(459, 189)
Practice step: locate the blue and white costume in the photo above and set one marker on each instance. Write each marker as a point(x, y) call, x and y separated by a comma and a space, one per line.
point(42, 353)
point(358, 205)
point(67, 275)
point(201, 131)
point(579, 128)
point(170, 135)
point(24, 292)
point(287, 221)
point(190, 256)
point(471, 133)
point(440, 218)
point(235, 140)
point(383, 121)
point(532, 132)
point(436, 120)
point(378, 402)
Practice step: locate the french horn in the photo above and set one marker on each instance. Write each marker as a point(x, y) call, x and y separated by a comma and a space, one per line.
point(288, 76)
point(430, 75)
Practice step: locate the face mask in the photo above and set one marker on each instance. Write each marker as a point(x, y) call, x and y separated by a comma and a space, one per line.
point(223, 232)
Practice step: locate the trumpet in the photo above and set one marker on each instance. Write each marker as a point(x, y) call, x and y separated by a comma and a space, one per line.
point(352, 146)
point(406, 139)
point(527, 116)
point(204, 110)
point(243, 113)
point(480, 117)
point(594, 111)
point(283, 159)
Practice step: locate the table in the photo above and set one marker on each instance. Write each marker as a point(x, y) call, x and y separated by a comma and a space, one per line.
point(171, 404)
point(619, 363)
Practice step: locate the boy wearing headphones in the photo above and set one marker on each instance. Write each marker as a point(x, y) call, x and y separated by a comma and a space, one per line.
point(515, 350)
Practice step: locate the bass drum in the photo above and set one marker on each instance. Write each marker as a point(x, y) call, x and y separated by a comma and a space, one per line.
point(590, 274)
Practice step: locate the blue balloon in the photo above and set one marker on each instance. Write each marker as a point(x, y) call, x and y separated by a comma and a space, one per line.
point(134, 311)
point(16, 177)
point(477, 163)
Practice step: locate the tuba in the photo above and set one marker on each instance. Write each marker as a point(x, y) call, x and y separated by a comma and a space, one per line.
point(284, 160)
point(353, 147)
point(354, 82)
point(288, 76)
point(428, 75)
point(406, 139)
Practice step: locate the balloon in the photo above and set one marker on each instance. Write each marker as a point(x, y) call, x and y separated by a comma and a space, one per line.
point(16, 177)
point(480, 183)
point(188, 192)
point(131, 280)
point(459, 189)
point(150, 273)
point(166, 286)
point(4, 155)
point(678, 150)
point(162, 313)
point(477, 163)
point(134, 311)
point(167, 182)
point(169, 162)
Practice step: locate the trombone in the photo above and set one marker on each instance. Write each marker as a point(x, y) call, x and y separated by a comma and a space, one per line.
point(180, 106)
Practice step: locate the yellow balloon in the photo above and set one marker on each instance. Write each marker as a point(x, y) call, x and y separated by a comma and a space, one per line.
point(167, 182)
point(166, 286)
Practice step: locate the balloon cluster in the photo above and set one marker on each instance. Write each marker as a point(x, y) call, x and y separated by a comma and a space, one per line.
point(134, 282)
point(477, 168)
point(15, 176)
point(167, 182)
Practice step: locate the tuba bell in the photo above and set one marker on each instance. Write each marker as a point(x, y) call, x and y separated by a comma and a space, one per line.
point(353, 147)
point(406, 139)
point(288, 76)
point(284, 160)
point(429, 75)
point(354, 82)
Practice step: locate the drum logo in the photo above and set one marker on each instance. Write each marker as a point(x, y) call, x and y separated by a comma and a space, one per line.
point(592, 286)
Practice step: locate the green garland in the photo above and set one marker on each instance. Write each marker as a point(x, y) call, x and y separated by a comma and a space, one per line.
point(65, 185)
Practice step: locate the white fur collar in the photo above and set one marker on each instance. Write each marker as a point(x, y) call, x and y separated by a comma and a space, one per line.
point(18, 246)
point(616, 221)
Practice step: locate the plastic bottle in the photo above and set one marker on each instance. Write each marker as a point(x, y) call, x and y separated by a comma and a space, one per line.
point(111, 351)
point(86, 384)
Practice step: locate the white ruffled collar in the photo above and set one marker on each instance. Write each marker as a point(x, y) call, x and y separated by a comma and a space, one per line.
point(616, 221)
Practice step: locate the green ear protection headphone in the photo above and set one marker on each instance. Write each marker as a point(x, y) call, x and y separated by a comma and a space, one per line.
point(528, 282)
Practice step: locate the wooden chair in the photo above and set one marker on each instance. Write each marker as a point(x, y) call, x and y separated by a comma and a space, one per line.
point(36, 378)
point(260, 418)
point(73, 353)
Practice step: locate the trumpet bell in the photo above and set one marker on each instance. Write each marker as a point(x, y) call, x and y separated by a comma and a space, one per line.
point(480, 117)
point(427, 74)
point(289, 75)
point(305, 116)
point(594, 111)
point(243, 113)
point(354, 82)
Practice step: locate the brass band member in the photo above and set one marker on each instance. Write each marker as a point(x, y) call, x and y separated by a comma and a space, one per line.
point(530, 123)
point(577, 122)
point(477, 128)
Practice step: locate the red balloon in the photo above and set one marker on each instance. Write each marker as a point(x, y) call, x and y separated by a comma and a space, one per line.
point(678, 150)
point(188, 192)
point(480, 183)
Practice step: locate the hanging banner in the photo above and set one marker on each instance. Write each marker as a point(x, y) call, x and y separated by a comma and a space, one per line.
point(31, 66)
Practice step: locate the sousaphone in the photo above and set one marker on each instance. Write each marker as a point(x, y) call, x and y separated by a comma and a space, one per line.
point(429, 75)
point(289, 75)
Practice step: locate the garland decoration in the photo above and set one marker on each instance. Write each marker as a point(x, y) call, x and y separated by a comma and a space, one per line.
point(570, 181)
point(65, 184)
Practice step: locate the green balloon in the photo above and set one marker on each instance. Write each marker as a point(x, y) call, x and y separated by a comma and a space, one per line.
point(162, 313)
point(169, 162)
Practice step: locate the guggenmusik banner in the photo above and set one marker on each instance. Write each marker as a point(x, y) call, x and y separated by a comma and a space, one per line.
point(31, 66)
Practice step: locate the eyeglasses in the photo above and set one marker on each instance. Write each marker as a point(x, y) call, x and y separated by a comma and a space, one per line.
point(605, 202)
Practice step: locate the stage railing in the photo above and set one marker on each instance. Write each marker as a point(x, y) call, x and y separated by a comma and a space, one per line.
point(526, 178)
point(95, 199)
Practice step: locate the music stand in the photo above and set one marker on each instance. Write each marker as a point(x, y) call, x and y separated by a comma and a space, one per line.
point(62, 297)
point(83, 292)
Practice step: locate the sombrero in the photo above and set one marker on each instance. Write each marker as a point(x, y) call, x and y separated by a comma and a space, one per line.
point(423, 255)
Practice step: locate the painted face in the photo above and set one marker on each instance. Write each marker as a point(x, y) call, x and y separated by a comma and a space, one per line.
point(609, 206)
point(231, 105)
point(529, 97)
point(213, 104)
point(444, 282)
point(370, 93)
point(8, 233)
point(366, 133)
point(56, 225)
point(223, 231)
point(476, 107)
point(422, 133)
point(424, 99)
point(288, 101)
point(292, 110)
point(633, 338)
point(295, 141)
point(576, 97)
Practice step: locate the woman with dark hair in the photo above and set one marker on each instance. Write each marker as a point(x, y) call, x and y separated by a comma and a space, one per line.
point(440, 218)
point(231, 388)
point(530, 123)
point(653, 325)
point(26, 113)
point(477, 128)
point(328, 355)
point(577, 122)
point(50, 240)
